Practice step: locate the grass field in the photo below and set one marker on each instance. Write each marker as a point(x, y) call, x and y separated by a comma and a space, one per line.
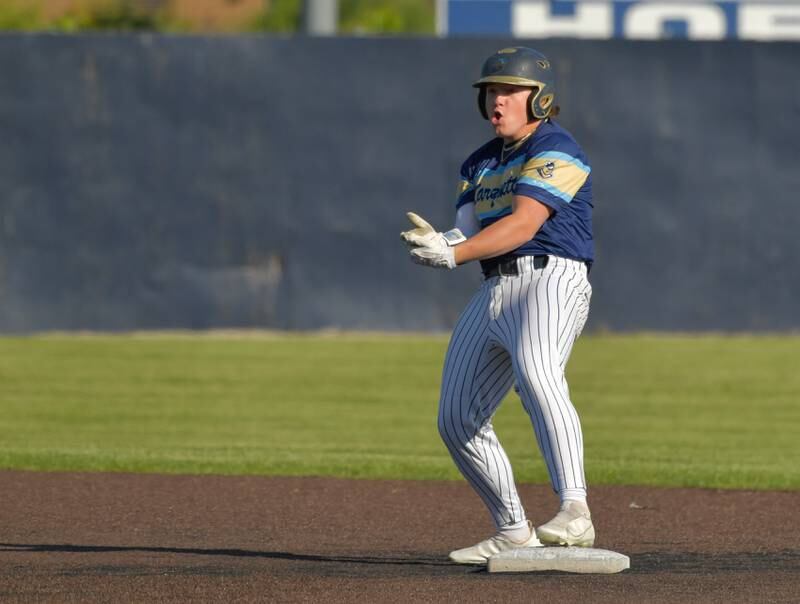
point(711, 411)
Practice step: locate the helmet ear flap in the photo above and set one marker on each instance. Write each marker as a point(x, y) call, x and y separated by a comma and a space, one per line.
point(539, 105)
point(482, 102)
point(531, 105)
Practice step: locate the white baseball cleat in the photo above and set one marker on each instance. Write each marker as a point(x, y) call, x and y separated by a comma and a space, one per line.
point(571, 526)
point(481, 552)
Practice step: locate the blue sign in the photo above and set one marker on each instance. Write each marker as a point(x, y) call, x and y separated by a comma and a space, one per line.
point(634, 19)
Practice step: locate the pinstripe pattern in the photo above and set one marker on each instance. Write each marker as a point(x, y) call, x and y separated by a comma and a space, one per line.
point(516, 329)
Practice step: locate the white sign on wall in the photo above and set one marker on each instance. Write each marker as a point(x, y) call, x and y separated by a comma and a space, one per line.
point(633, 19)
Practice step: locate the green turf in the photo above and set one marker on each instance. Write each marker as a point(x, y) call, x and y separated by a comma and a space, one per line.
point(658, 410)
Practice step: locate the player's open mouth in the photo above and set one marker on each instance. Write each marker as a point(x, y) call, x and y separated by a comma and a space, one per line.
point(496, 117)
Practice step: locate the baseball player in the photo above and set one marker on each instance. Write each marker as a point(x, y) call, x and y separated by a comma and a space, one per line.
point(524, 211)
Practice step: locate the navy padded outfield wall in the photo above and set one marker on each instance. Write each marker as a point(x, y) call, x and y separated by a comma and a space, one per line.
point(189, 182)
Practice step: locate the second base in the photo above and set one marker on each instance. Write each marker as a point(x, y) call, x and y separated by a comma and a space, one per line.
point(565, 559)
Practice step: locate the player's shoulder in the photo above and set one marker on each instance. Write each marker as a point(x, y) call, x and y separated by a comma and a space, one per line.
point(552, 137)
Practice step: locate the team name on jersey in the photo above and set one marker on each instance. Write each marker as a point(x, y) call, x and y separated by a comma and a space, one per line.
point(492, 193)
point(494, 189)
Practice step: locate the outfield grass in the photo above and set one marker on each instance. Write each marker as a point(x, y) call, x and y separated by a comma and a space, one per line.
point(656, 410)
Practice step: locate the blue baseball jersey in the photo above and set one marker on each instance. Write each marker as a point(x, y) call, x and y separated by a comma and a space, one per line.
point(549, 167)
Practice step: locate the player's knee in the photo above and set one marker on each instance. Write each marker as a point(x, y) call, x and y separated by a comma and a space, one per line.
point(540, 385)
point(453, 432)
point(445, 431)
point(448, 436)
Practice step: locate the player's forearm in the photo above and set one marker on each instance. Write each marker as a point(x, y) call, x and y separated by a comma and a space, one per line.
point(503, 236)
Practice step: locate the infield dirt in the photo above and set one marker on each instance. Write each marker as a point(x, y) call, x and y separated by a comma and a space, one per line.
point(70, 537)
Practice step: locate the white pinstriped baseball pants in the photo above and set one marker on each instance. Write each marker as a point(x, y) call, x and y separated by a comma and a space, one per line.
point(516, 329)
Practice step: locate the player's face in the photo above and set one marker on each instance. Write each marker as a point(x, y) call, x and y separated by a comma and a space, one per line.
point(507, 108)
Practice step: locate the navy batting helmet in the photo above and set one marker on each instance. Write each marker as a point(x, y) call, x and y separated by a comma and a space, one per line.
point(520, 66)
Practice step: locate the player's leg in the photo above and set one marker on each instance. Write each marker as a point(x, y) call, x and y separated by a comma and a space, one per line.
point(552, 308)
point(477, 375)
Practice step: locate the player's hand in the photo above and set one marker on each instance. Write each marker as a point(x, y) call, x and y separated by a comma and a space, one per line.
point(425, 235)
point(428, 246)
point(422, 234)
point(436, 256)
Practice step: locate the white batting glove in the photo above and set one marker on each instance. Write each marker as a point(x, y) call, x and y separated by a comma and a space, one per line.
point(434, 256)
point(425, 235)
point(430, 247)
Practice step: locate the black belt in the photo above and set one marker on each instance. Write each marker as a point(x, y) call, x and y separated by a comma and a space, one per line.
point(506, 266)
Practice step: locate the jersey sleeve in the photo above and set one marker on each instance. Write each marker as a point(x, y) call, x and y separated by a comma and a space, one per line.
point(553, 176)
point(466, 188)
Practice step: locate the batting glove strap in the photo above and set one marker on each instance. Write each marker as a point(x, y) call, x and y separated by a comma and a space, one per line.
point(454, 237)
point(425, 235)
